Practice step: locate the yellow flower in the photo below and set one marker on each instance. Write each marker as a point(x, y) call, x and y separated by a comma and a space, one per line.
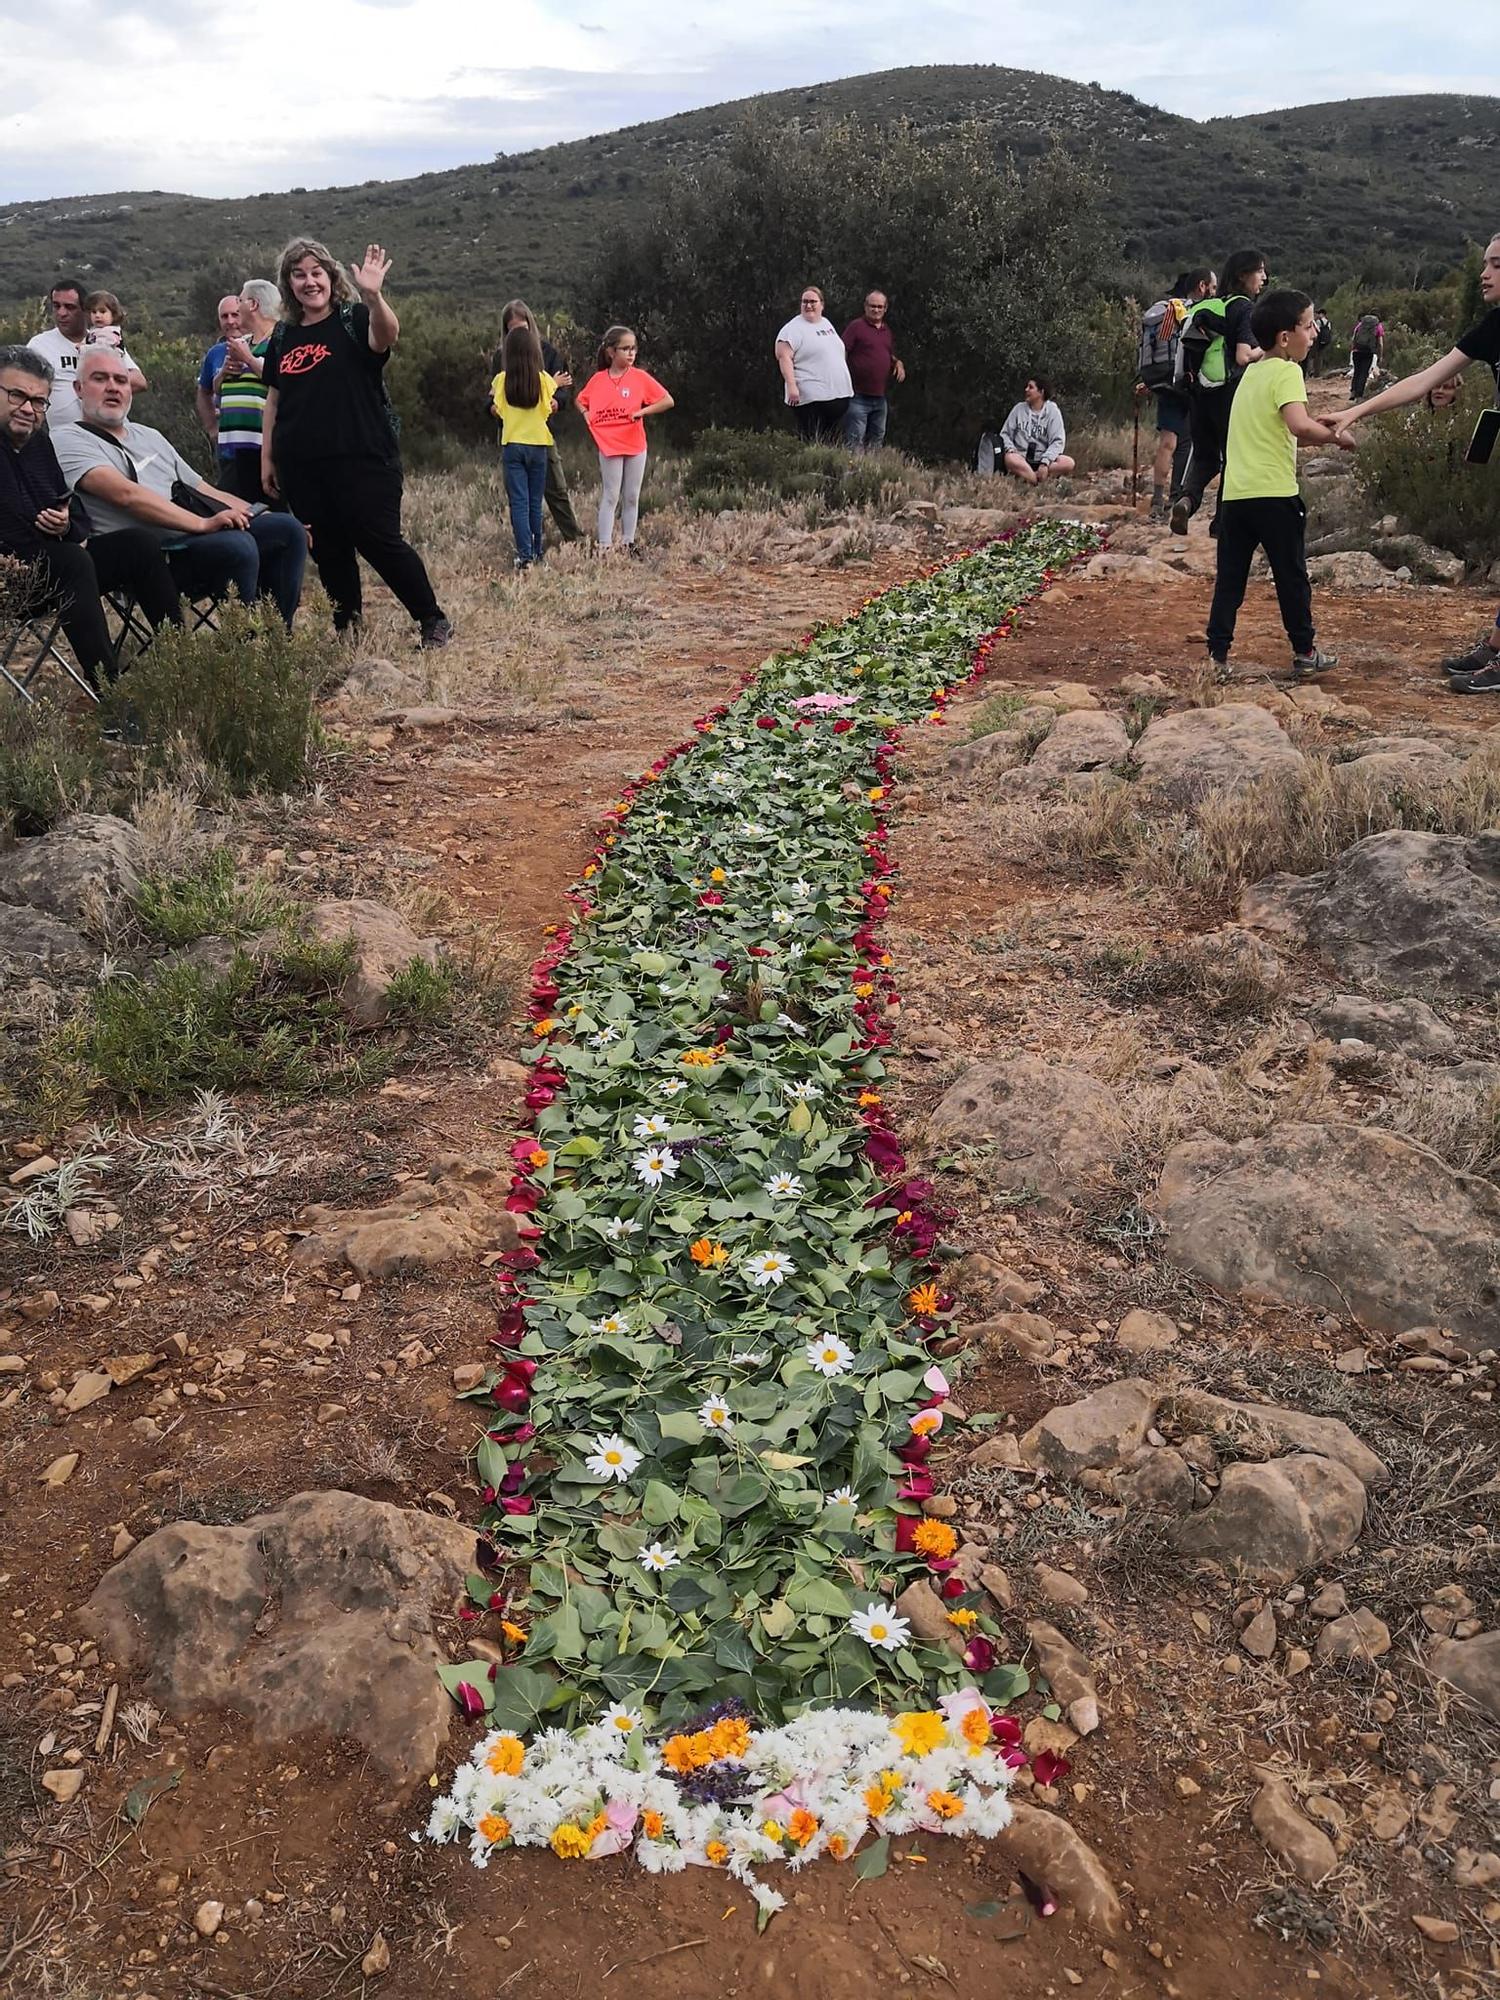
point(868, 1098)
point(707, 1253)
point(515, 1633)
point(838, 1846)
point(729, 1738)
point(965, 1621)
point(863, 989)
point(884, 889)
point(975, 1728)
point(538, 1157)
point(924, 1298)
point(935, 1538)
point(919, 1732)
point(875, 792)
point(574, 1011)
point(924, 1423)
point(569, 1842)
point(698, 1058)
point(506, 1757)
point(495, 1826)
point(774, 1830)
point(945, 1804)
point(590, 872)
point(652, 1825)
point(543, 1027)
point(717, 1853)
point(717, 875)
point(596, 1826)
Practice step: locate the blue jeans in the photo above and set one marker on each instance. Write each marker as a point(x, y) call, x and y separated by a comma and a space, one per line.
point(270, 557)
point(525, 483)
point(864, 425)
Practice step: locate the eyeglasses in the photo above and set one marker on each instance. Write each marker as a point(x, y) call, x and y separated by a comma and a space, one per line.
point(19, 400)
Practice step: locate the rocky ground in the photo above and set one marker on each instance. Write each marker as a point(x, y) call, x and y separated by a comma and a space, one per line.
point(1219, 1134)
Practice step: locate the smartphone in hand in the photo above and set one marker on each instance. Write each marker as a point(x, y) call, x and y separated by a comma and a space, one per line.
point(1486, 436)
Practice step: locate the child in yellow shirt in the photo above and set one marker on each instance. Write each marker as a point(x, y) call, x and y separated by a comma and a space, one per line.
point(523, 397)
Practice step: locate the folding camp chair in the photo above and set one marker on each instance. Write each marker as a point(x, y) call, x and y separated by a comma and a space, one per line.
point(39, 633)
point(134, 632)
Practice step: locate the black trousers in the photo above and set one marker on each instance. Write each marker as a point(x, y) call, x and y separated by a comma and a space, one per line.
point(131, 560)
point(559, 504)
point(353, 507)
point(1210, 418)
point(1363, 362)
point(1280, 528)
point(822, 423)
point(238, 472)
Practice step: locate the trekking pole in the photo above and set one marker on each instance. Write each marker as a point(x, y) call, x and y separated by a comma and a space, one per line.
point(1135, 458)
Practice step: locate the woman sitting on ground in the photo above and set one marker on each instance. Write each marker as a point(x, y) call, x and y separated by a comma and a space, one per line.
point(1032, 437)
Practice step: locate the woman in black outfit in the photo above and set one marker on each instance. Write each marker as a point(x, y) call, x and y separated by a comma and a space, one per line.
point(329, 443)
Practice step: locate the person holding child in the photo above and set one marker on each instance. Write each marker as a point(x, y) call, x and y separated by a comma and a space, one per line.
point(1260, 505)
point(523, 397)
point(616, 400)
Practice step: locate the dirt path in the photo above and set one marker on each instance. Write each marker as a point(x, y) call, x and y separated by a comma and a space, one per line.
point(283, 1382)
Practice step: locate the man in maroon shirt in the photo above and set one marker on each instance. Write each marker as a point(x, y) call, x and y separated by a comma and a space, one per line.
point(871, 348)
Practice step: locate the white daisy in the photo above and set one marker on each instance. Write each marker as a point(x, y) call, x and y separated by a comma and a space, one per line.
point(751, 829)
point(753, 1358)
point(673, 1086)
point(612, 1323)
point(807, 1092)
point(651, 1127)
point(656, 1558)
point(621, 1225)
point(655, 1166)
point(612, 1458)
point(878, 1625)
point(768, 1267)
point(841, 1496)
point(795, 951)
point(802, 890)
point(604, 1037)
point(783, 1186)
point(781, 917)
point(622, 1718)
point(713, 1414)
point(829, 1355)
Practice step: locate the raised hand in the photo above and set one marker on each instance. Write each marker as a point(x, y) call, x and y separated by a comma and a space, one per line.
point(370, 274)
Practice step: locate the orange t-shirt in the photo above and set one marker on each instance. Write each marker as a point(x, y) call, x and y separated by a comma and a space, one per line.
point(612, 404)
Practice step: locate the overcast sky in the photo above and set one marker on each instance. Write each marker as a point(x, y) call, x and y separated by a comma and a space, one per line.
point(107, 95)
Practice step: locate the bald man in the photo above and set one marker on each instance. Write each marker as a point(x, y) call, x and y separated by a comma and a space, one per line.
point(207, 401)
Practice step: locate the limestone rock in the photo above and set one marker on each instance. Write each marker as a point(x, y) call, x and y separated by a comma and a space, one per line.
point(1408, 1026)
point(1066, 696)
point(1048, 1129)
point(1473, 1666)
point(1003, 1451)
point(1081, 740)
point(1059, 1586)
point(1352, 569)
point(920, 1603)
point(1198, 750)
point(998, 750)
point(1023, 1333)
point(31, 943)
point(384, 944)
point(1406, 912)
point(1142, 1332)
point(454, 1213)
point(1278, 1520)
point(985, 1277)
point(1064, 1665)
point(318, 1615)
point(1047, 1850)
point(63, 1784)
point(1340, 1217)
point(1100, 1430)
point(1259, 1636)
point(1161, 1478)
point(378, 680)
point(1358, 1635)
point(1288, 1430)
point(85, 863)
point(1290, 1835)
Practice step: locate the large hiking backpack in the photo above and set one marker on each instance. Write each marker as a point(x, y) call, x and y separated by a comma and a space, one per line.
point(1161, 334)
point(1201, 360)
point(1366, 334)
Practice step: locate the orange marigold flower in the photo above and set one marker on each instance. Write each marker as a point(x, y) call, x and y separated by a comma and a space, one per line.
point(590, 872)
point(698, 1058)
point(884, 889)
point(875, 792)
point(935, 1538)
point(684, 1754)
point(569, 1842)
point(886, 959)
point(924, 1299)
point(801, 1826)
point(543, 1027)
point(495, 1826)
point(596, 1826)
point(925, 1422)
point(729, 1738)
point(718, 874)
point(903, 1218)
point(945, 1804)
point(506, 1757)
point(965, 1621)
point(975, 1727)
point(863, 989)
point(717, 1852)
point(707, 1253)
point(838, 1846)
point(515, 1633)
point(867, 1098)
point(538, 1157)
point(653, 1825)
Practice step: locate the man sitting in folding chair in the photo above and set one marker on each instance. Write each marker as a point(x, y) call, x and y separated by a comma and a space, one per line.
point(128, 475)
point(40, 525)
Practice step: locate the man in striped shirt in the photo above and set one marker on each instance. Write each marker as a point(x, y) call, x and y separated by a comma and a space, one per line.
point(241, 393)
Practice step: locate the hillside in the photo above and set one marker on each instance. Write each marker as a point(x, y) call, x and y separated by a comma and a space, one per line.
point(1387, 187)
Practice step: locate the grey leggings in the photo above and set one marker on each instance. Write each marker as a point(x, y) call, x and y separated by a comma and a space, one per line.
point(620, 486)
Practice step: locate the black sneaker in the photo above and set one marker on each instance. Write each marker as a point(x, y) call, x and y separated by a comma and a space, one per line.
point(1308, 666)
point(1477, 660)
point(436, 632)
point(1182, 513)
point(1486, 681)
point(635, 551)
point(1220, 669)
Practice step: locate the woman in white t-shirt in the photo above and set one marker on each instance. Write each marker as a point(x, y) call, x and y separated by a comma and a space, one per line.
point(814, 367)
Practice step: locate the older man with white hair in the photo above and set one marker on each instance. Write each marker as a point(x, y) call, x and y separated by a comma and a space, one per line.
point(129, 475)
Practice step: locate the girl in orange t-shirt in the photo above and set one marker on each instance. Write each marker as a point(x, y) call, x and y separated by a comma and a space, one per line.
point(616, 400)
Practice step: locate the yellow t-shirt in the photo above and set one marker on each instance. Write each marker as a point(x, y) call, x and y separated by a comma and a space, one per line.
point(1261, 462)
point(525, 426)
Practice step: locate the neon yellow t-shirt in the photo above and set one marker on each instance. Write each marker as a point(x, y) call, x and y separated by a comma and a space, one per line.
point(525, 426)
point(1261, 462)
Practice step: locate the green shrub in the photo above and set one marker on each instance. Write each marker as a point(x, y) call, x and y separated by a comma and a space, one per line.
point(1411, 464)
point(50, 765)
point(207, 901)
point(749, 469)
point(420, 994)
point(242, 697)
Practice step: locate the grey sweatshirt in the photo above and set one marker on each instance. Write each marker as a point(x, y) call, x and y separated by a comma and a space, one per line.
point(1042, 428)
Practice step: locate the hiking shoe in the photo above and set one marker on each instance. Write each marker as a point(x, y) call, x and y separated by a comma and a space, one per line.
point(1220, 669)
point(1479, 659)
point(1308, 666)
point(436, 632)
point(1159, 508)
point(1486, 681)
point(635, 551)
point(1182, 513)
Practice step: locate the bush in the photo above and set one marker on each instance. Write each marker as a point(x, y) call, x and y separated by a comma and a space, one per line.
point(1411, 464)
point(206, 901)
point(49, 765)
point(242, 697)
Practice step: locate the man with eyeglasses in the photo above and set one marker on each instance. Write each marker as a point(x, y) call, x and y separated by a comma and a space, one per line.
point(871, 347)
point(40, 525)
point(62, 345)
point(815, 371)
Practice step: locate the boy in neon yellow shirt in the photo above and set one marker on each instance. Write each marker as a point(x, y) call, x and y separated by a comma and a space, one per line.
point(1262, 507)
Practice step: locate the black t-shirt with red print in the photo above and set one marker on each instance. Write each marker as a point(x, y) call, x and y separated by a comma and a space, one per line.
point(1482, 343)
point(328, 390)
